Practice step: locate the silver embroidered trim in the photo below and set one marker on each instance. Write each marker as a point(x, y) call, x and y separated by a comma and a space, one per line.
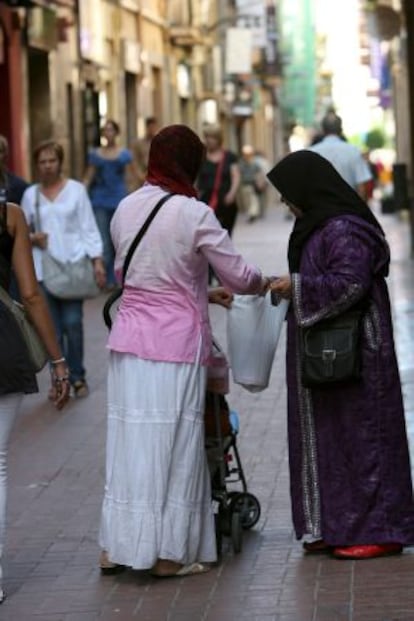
point(372, 327)
point(347, 299)
point(310, 478)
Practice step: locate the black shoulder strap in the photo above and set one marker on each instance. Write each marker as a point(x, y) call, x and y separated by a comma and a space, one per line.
point(115, 295)
point(141, 234)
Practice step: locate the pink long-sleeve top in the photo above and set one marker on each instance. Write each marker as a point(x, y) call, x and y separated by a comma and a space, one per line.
point(163, 313)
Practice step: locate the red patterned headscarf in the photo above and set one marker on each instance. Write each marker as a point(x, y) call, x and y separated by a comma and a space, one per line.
point(175, 157)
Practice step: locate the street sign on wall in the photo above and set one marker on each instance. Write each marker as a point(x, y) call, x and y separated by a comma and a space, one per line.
point(238, 50)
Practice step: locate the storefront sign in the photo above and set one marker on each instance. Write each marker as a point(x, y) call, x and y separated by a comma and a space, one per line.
point(92, 30)
point(238, 50)
point(252, 15)
point(183, 81)
point(131, 56)
point(271, 57)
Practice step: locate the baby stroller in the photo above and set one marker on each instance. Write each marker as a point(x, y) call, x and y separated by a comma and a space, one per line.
point(235, 510)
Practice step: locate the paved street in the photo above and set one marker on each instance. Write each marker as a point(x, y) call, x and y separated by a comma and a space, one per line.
point(56, 482)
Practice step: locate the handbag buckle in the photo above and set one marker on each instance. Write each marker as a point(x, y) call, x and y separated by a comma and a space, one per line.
point(328, 358)
point(328, 355)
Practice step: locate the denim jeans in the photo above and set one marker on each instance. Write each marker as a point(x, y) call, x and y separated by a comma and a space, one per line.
point(67, 316)
point(103, 220)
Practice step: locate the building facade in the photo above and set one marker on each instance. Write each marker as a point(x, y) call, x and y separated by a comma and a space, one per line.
point(71, 64)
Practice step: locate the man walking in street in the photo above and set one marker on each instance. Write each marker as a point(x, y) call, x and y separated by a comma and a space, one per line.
point(253, 182)
point(345, 157)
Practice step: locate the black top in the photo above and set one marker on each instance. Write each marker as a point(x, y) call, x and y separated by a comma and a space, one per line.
point(6, 249)
point(15, 188)
point(207, 176)
point(16, 374)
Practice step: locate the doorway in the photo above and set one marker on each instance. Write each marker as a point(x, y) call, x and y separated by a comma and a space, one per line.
point(40, 120)
point(131, 107)
point(91, 119)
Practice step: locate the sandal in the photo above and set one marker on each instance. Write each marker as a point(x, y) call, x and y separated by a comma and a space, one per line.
point(187, 570)
point(107, 567)
point(80, 389)
point(317, 547)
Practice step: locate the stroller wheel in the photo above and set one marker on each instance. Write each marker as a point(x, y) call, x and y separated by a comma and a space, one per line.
point(248, 507)
point(236, 532)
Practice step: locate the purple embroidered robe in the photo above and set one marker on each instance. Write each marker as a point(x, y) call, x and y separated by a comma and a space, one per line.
point(348, 453)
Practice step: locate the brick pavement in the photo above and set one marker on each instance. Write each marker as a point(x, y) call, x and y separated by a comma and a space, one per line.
point(56, 480)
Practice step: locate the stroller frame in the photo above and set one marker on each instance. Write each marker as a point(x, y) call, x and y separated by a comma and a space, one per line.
point(235, 511)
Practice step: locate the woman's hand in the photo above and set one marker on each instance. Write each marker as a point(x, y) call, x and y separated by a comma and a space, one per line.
point(220, 295)
point(282, 286)
point(39, 240)
point(229, 198)
point(60, 389)
point(100, 272)
point(265, 285)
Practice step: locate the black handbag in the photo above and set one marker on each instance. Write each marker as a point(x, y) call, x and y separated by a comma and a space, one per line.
point(115, 295)
point(330, 350)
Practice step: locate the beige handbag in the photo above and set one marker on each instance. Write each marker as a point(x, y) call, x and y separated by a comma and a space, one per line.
point(66, 280)
point(35, 349)
point(69, 281)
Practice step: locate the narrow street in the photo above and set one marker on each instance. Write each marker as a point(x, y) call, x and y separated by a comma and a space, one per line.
point(56, 482)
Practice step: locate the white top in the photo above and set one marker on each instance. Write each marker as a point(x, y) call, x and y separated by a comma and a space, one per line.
point(68, 221)
point(346, 158)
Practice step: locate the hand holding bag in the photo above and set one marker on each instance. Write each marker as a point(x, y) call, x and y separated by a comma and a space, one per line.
point(254, 326)
point(330, 350)
point(64, 279)
point(36, 351)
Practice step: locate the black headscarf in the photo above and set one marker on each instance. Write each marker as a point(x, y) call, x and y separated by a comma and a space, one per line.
point(311, 183)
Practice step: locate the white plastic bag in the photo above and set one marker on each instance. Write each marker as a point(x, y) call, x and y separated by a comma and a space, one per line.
point(253, 331)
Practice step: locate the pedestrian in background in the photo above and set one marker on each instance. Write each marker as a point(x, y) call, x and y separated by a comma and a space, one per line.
point(140, 150)
point(265, 187)
point(13, 185)
point(68, 230)
point(108, 176)
point(219, 178)
point(157, 510)
point(252, 183)
point(350, 474)
point(345, 157)
point(16, 373)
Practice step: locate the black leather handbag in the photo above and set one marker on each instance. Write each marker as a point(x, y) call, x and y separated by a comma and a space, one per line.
point(330, 350)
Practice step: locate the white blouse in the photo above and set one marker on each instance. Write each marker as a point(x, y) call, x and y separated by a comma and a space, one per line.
point(69, 222)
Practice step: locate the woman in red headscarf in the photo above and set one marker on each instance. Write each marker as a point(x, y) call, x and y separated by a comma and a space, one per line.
point(157, 512)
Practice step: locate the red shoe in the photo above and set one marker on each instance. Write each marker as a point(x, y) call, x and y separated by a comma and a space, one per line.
point(317, 547)
point(367, 551)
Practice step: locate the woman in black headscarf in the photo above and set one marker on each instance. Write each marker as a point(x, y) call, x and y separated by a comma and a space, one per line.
point(349, 463)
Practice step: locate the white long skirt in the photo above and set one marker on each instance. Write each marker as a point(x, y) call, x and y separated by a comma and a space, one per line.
point(157, 501)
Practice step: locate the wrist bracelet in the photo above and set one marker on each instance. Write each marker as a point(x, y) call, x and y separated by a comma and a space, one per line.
point(58, 361)
point(59, 380)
